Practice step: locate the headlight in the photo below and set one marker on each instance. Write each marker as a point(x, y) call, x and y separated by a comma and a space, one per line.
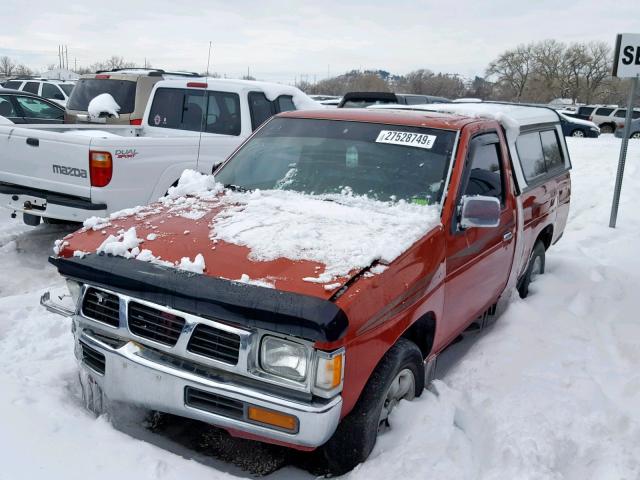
point(284, 358)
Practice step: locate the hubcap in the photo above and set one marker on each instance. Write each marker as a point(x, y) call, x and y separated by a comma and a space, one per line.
point(536, 268)
point(403, 387)
point(636, 135)
point(578, 133)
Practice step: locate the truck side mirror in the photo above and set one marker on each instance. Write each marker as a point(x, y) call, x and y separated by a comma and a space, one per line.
point(479, 211)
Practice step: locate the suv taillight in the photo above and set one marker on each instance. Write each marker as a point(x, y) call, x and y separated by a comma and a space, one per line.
point(100, 168)
point(103, 77)
point(591, 118)
point(137, 121)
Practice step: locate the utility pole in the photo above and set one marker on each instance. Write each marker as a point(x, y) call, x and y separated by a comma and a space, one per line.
point(66, 51)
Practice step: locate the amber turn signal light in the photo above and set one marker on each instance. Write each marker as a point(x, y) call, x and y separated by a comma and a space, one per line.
point(100, 168)
point(273, 419)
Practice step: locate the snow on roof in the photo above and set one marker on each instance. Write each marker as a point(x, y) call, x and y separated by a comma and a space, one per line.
point(271, 90)
point(512, 117)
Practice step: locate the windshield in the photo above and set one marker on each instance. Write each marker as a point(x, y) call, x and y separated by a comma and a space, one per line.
point(66, 88)
point(122, 91)
point(384, 162)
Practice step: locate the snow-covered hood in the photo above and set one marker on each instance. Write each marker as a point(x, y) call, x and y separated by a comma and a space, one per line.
point(276, 239)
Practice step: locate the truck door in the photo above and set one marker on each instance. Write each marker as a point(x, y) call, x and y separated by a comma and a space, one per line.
point(479, 260)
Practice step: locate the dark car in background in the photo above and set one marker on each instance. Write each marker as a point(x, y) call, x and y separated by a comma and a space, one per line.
point(576, 127)
point(366, 99)
point(23, 107)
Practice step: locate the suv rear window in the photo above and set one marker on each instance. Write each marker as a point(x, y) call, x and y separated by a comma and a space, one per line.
point(585, 110)
point(31, 87)
point(604, 111)
point(122, 91)
point(184, 109)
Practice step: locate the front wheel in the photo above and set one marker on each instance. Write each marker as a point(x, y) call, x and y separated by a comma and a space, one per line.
point(635, 135)
point(606, 128)
point(534, 269)
point(399, 376)
point(577, 133)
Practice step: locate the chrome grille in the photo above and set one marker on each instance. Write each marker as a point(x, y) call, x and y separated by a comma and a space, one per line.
point(101, 306)
point(92, 358)
point(154, 324)
point(213, 403)
point(215, 343)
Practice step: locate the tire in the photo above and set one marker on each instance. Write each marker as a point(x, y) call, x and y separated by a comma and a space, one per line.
point(356, 434)
point(606, 128)
point(535, 268)
point(635, 135)
point(577, 133)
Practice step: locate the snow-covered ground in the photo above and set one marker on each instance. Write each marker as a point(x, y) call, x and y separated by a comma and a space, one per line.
point(552, 391)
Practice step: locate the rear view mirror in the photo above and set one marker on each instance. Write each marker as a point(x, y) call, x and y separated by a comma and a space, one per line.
point(479, 211)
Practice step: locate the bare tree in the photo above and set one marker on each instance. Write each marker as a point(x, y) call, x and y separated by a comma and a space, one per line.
point(548, 57)
point(596, 68)
point(23, 71)
point(513, 69)
point(6, 66)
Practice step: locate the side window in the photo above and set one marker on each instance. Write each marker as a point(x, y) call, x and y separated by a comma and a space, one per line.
point(31, 87)
point(34, 108)
point(180, 109)
point(6, 107)
point(551, 149)
point(13, 84)
point(585, 110)
point(620, 113)
point(604, 111)
point(635, 114)
point(285, 103)
point(223, 113)
point(485, 172)
point(52, 92)
point(260, 107)
point(531, 155)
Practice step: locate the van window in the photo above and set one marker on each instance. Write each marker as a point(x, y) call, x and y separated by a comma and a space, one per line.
point(31, 87)
point(531, 156)
point(261, 109)
point(184, 109)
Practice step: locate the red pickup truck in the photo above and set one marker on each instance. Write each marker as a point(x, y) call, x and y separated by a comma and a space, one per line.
point(301, 293)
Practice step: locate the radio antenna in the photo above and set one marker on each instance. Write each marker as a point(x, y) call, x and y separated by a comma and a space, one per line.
point(206, 104)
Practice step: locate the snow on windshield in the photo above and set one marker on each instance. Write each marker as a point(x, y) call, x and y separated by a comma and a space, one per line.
point(343, 232)
point(103, 103)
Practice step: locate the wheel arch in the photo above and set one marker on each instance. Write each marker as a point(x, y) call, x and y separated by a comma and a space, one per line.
point(546, 236)
point(422, 332)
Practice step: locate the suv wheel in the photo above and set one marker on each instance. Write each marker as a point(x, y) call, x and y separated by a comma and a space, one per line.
point(606, 128)
point(399, 376)
point(635, 135)
point(577, 133)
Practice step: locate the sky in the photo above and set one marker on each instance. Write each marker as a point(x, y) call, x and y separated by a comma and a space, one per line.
point(285, 41)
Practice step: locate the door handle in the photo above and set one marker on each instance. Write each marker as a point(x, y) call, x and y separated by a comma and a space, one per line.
point(506, 236)
point(34, 142)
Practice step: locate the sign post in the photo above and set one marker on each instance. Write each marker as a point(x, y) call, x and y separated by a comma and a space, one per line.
point(626, 64)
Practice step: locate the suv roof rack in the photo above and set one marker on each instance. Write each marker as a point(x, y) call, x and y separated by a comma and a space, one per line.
point(153, 72)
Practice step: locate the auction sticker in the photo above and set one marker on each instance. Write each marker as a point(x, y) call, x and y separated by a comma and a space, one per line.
point(420, 140)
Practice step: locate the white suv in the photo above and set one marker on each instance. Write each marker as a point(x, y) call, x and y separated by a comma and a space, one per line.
point(55, 90)
point(609, 118)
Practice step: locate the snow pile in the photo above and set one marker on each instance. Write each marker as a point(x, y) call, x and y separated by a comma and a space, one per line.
point(345, 233)
point(193, 182)
point(125, 244)
point(103, 103)
point(244, 278)
point(195, 266)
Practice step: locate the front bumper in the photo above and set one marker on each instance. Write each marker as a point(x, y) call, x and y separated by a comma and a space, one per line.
point(136, 375)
